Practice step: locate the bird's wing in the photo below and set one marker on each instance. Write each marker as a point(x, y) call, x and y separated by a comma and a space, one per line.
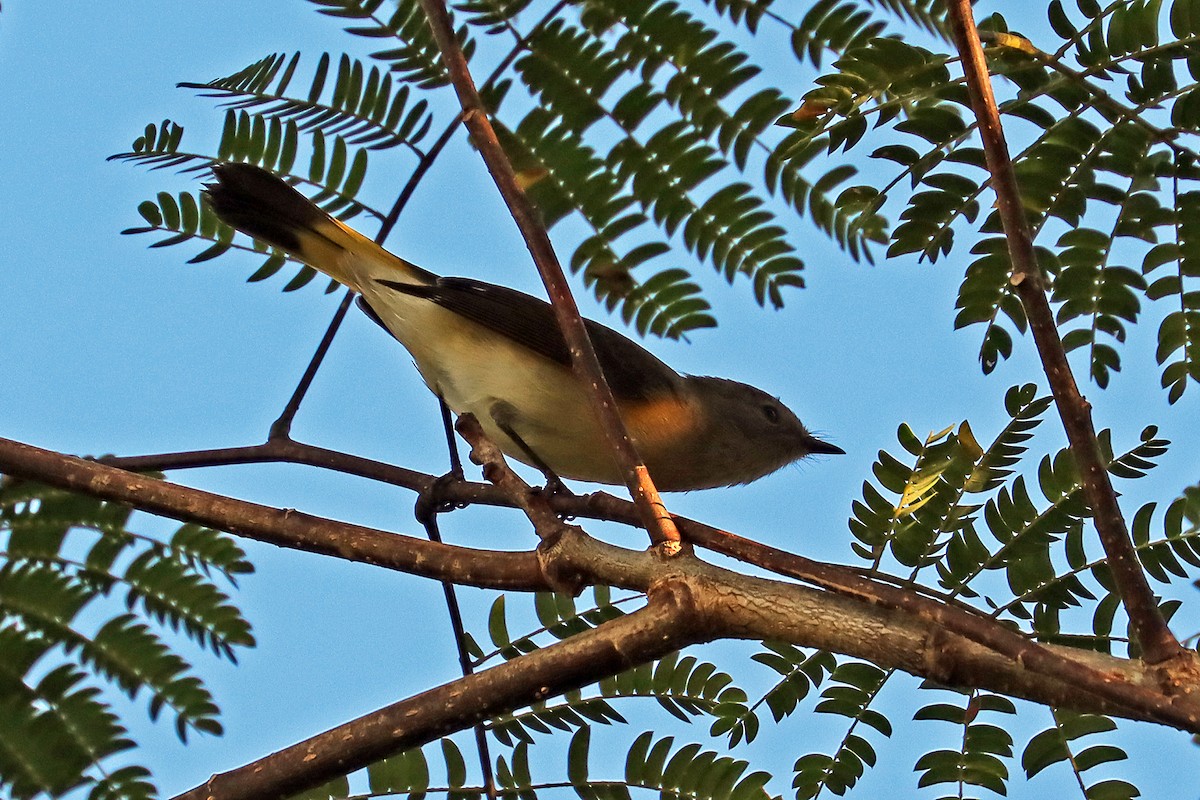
point(631, 370)
point(266, 207)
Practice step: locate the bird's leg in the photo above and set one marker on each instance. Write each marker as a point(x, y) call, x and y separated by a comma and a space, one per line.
point(502, 414)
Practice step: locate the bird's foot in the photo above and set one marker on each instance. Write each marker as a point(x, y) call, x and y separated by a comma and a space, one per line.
point(555, 489)
point(432, 501)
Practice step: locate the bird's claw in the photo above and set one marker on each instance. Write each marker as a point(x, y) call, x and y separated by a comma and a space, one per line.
point(432, 500)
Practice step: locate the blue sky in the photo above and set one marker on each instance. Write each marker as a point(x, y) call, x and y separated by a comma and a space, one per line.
point(108, 346)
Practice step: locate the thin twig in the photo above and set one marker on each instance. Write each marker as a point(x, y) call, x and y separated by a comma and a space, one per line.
point(464, 661)
point(1156, 640)
point(277, 451)
point(414, 181)
point(583, 357)
point(1079, 78)
point(282, 427)
point(286, 527)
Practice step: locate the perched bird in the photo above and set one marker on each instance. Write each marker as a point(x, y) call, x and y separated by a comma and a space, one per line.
point(498, 354)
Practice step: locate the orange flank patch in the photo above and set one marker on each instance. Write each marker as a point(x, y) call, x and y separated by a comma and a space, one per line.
point(660, 420)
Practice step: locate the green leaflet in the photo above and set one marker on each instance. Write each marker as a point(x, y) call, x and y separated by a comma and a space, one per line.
point(65, 559)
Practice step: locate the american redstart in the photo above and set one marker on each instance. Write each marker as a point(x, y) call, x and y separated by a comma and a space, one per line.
point(499, 354)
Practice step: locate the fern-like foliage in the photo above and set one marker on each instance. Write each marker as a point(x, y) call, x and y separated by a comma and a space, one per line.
point(1062, 743)
point(853, 687)
point(642, 110)
point(839, 26)
point(1024, 531)
point(929, 513)
point(362, 106)
point(932, 514)
point(1093, 150)
point(984, 747)
point(964, 510)
point(410, 773)
point(683, 686)
point(270, 141)
point(573, 177)
point(1164, 548)
point(799, 673)
point(929, 14)
point(685, 772)
point(632, 117)
point(85, 603)
point(572, 70)
point(559, 615)
point(413, 55)
point(647, 126)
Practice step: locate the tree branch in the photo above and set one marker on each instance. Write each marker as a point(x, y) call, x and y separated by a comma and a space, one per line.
point(954, 617)
point(283, 527)
point(878, 622)
point(1156, 640)
point(282, 426)
point(690, 602)
point(284, 451)
point(657, 520)
point(669, 621)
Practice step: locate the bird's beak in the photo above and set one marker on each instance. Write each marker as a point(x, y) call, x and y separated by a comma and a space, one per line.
point(815, 445)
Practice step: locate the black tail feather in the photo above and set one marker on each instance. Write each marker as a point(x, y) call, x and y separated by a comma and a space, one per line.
point(261, 204)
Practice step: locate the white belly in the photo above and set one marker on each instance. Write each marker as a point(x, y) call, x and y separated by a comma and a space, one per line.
point(479, 372)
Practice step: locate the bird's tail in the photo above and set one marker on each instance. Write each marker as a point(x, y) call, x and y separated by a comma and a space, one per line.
point(262, 205)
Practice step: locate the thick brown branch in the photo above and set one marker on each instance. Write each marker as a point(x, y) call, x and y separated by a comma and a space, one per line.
point(657, 520)
point(1156, 640)
point(704, 602)
point(690, 601)
point(957, 619)
point(868, 619)
point(744, 606)
point(669, 621)
point(282, 527)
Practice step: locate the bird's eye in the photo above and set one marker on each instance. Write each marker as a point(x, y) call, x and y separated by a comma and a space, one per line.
point(771, 413)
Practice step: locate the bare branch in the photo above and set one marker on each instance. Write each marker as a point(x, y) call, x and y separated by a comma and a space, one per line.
point(282, 426)
point(283, 527)
point(1156, 640)
point(284, 451)
point(690, 602)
